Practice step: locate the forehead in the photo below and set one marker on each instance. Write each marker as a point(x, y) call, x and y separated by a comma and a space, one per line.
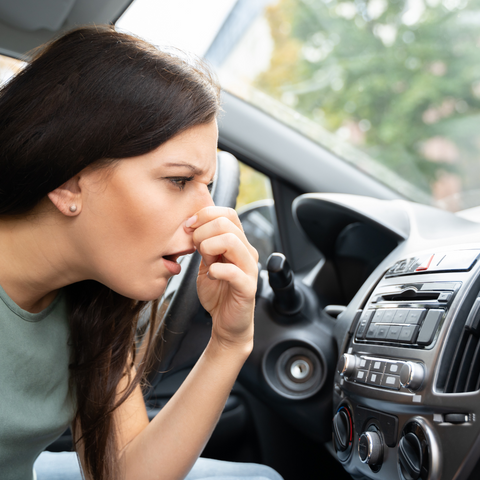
point(194, 150)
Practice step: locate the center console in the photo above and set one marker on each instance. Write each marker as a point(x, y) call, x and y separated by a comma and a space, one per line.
point(407, 386)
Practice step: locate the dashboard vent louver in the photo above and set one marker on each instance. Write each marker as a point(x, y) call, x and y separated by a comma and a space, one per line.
point(464, 372)
point(461, 363)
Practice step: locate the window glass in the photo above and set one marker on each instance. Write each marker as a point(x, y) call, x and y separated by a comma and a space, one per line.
point(392, 86)
point(9, 67)
point(256, 211)
point(254, 186)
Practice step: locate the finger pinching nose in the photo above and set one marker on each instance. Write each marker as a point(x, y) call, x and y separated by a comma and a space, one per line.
point(191, 221)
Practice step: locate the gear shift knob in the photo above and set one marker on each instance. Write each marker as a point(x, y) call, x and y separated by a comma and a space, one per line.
point(288, 300)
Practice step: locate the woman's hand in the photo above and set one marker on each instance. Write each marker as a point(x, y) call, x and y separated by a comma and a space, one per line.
point(227, 277)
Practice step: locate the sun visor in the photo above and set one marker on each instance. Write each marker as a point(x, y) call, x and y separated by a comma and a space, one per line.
point(35, 14)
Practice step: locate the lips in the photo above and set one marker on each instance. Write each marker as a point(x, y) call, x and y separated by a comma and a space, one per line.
point(170, 261)
point(173, 257)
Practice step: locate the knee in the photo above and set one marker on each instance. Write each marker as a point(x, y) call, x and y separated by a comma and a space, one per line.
point(267, 473)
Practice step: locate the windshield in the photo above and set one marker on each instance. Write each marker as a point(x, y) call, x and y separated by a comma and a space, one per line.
point(391, 86)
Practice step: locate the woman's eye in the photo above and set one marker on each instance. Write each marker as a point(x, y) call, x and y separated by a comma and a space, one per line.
point(180, 182)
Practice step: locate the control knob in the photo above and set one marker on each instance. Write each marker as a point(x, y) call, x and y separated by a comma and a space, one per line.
point(412, 375)
point(342, 429)
point(414, 461)
point(346, 365)
point(410, 456)
point(370, 448)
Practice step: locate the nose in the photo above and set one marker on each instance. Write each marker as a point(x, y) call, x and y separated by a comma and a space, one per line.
point(203, 200)
point(209, 201)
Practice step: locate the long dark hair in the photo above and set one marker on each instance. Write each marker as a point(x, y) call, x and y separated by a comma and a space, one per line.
point(91, 97)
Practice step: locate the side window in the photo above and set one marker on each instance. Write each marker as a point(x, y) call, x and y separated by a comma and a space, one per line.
point(8, 68)
point(256, 210)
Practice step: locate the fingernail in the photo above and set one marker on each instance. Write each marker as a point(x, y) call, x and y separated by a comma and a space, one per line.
point(191, 221)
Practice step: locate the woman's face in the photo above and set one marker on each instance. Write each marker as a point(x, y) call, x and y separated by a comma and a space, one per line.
point(133, 215)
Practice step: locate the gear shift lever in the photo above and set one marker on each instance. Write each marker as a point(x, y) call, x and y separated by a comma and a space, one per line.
point(288, 300)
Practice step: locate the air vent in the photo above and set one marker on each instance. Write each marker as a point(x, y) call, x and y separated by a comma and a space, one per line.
point(463, 366)
point(464, 373)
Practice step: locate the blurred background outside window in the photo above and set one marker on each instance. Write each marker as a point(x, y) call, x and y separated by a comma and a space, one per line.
point(392, 87)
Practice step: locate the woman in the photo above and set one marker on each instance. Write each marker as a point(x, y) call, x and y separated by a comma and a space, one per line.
point(108, 151)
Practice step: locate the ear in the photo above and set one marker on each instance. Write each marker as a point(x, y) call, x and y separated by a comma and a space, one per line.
point(67, 197)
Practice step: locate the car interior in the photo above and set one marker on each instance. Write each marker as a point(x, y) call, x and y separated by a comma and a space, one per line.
point(366, 362)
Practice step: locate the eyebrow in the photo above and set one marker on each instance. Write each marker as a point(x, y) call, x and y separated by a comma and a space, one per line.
point(194, 169)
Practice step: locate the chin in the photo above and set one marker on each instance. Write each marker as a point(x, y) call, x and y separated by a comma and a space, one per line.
point(144, 291)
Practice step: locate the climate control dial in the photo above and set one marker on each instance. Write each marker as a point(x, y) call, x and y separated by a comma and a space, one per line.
point(343, 432)
point(370, 448)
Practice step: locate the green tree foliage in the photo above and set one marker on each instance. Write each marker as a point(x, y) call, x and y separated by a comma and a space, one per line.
point(254, 186)
point(397, 74)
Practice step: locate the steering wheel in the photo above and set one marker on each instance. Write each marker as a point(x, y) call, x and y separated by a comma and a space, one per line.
point(180, 302)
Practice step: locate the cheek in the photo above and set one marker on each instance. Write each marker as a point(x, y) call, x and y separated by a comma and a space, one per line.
point(143, 220)
point(143, 217)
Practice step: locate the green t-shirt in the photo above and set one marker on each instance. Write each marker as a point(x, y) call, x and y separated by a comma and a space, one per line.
point(35, 403)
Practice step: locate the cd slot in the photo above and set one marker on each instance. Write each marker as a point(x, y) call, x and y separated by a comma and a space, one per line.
point(409, 295)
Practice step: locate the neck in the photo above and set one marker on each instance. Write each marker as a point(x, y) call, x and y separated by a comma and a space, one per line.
point(36, 258)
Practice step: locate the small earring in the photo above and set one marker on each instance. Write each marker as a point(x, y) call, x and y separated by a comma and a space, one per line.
point(73, 208)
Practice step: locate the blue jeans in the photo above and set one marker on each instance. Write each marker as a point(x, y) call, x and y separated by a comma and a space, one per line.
point(64, 466)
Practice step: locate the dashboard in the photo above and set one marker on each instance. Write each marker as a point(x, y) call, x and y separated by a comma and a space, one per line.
point(406, 387)
point(382, 354)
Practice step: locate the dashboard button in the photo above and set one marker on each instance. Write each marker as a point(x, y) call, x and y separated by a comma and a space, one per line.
point(382, 331)
point(363, 363)
point(407, 334)
point(362, 327)
point(401, 315)
point(429, 327)
point(363, 324)
point(377, 366)
point(378, 315)
point(391, 381)
point(388, 316)
point(415, 316)
point(361, 376)
point(360, 331)
point(366, 315)
point(372, 331)
point(374, 378)
point(393, 368)
point(445, 297)
point(394, 332)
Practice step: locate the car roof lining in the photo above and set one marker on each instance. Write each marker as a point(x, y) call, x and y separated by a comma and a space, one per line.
point(25, 24)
